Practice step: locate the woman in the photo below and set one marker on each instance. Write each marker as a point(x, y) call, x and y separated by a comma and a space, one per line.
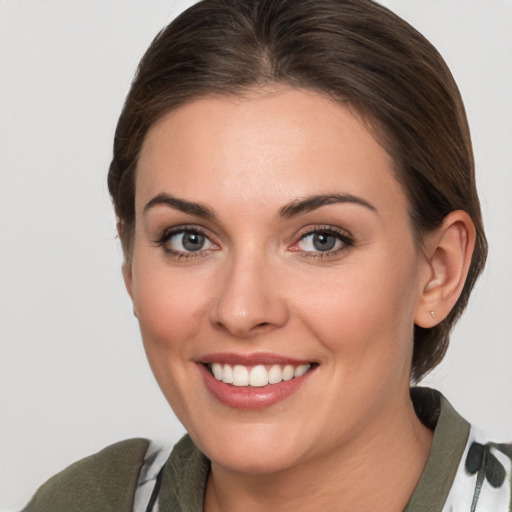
point(295, 193)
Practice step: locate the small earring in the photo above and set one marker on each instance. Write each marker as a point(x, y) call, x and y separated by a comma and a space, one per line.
point(432, 314)
point(134, 313)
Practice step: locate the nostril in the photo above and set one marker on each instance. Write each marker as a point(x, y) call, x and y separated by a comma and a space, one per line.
point(262, 327)
point(247, 314)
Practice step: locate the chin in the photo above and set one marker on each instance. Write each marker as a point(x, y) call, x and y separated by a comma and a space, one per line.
point(251, 449)
point(254, 461)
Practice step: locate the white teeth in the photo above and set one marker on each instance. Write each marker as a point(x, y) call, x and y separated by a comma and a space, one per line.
point(288, 372)
point(256, 376)
point(301, 370)
point(240, 376)
point(275, 374)
point(227, 374)
point(217, 371)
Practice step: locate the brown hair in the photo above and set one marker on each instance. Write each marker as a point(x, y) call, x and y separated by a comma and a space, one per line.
point(356, 52)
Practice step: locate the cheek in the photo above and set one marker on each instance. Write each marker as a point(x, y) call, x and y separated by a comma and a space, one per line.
point(170, 308)
point(364, 315)
point(171, 316)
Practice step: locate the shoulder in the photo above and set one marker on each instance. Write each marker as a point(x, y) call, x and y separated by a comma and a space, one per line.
point(104, 481)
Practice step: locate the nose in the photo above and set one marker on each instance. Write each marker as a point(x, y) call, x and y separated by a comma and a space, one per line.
point(249, 300)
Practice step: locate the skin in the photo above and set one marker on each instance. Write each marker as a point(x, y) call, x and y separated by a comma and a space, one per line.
point(348, 438)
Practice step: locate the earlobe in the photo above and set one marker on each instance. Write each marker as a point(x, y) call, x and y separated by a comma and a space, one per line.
point(449, 250)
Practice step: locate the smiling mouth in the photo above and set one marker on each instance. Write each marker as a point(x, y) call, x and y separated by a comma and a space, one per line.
point(256, 376)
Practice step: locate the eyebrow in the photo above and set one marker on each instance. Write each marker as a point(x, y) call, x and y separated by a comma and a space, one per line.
point(197, 209)
point(310, 203)
point(288, 211)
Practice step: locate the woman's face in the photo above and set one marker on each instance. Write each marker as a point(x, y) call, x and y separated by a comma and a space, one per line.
point(271, 239)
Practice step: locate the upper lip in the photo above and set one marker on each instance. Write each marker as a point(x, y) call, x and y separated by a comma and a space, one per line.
point(251, 359)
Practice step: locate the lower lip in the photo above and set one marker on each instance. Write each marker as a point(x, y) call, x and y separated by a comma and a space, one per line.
point(251, 397)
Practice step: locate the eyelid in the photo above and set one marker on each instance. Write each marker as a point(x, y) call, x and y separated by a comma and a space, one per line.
point(341, 234)
point(168, 233)
point(325, 228)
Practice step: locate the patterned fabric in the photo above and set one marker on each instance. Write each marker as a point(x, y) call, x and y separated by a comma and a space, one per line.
point(147, 487)
point(483, 482)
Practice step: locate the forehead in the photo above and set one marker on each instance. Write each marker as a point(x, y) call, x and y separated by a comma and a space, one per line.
point(296, 142)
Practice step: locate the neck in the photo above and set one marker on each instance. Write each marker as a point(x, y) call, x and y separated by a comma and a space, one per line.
point(377, 470)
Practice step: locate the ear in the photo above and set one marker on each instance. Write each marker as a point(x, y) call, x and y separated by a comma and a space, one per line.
point(127, 265)
point(128, 282)
point(448, 252)
point(127, 276)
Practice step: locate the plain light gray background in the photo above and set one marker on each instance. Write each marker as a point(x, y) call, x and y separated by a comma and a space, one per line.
point(73, 375)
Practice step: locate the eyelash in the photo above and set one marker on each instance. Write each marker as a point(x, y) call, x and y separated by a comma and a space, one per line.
point(166, 236)
point(340, 235)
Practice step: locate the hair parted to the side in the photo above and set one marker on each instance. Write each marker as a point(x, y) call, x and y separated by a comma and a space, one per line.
point(354, 51)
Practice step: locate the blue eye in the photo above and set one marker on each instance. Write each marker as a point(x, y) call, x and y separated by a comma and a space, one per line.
point(323, 241)
point(185, 242)
point(189, 241)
